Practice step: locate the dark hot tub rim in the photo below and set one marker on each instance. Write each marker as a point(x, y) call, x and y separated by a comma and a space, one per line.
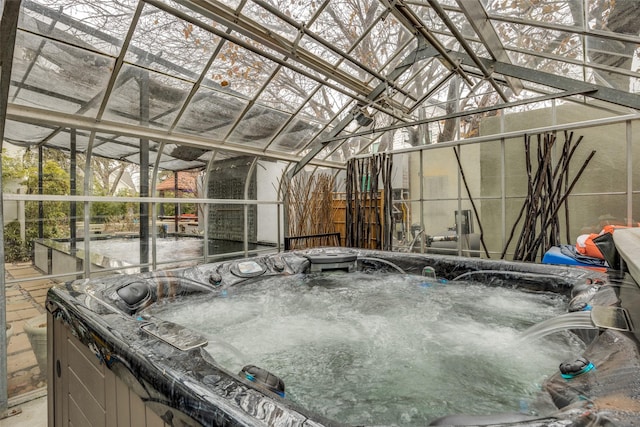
point(205, 394)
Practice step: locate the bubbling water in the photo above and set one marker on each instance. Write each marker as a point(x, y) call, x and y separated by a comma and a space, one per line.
point(385, 348)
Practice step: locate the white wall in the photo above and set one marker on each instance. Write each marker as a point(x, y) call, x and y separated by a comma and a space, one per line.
point(267, 175)
point(600, 191)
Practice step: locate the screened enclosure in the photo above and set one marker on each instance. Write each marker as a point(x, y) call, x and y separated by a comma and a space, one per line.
point(146, 135)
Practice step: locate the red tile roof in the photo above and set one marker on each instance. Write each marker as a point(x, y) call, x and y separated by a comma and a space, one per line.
point(186, 183)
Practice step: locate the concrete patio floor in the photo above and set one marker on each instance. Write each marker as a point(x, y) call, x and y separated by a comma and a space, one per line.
point(26, 293)
point(30, 410)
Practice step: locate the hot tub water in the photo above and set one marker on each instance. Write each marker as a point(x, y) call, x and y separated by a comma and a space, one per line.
point(383, 348)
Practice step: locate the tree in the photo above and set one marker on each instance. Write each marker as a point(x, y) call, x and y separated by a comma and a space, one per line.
point(55, 214)
point(55, 221)
point(13, 170)
point(107, 174)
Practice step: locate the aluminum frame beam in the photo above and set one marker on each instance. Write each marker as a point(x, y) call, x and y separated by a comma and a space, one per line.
point(421, 53)
point(275, 42)
point(512, 135)
point(435, 5)
point(467, 113)
point(411, 21)
point(599, 92)
point(32, 115)
point(302, 30)
point(479, 21)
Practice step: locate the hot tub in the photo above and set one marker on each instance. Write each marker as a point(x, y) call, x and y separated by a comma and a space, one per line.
point(116, 357)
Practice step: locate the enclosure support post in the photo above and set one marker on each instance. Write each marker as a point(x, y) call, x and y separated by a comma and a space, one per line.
point(207, 208)
point(629, 174)
point(154, 207)
point(176, 206)
point(40, 193)
point(247, 185)
point(422, 224)
point(73, 208)
point(503, 189)
point(87, 205)
point(503, 183)
point(73, 205)
point(143, 81)
point(8, 28)
point(459, 212)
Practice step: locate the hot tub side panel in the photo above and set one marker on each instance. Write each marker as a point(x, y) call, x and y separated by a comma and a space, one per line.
point(84, 392)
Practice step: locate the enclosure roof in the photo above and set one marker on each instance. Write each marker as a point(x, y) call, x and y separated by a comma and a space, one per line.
point(303, 81)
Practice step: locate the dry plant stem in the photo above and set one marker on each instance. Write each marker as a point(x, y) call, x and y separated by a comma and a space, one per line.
point(309, 207)
point(547, 191)
point(473, 204)
point(562, 200)
point(368, 224)
point(544, 156)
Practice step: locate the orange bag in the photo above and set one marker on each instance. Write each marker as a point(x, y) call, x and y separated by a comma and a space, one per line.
point(586, 246)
